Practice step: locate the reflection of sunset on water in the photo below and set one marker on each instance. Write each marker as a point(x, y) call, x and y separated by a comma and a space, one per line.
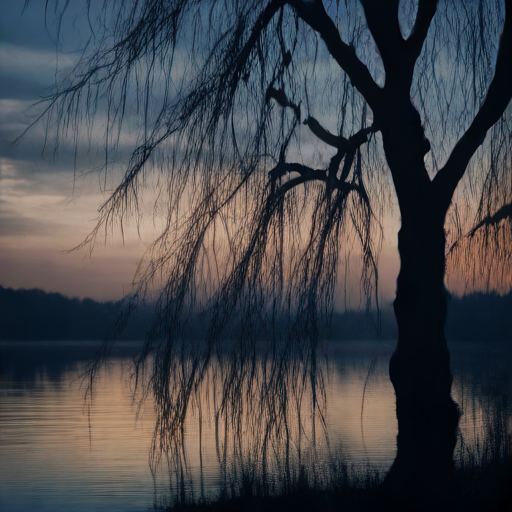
point(53, 448)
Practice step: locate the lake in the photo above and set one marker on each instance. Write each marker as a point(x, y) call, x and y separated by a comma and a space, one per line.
point(59, 452)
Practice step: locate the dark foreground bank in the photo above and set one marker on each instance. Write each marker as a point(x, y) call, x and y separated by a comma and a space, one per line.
point(486, 487)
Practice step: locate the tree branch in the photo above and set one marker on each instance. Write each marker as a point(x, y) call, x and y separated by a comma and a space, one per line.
point(263, 20)
point(399, 56)
point(505, 212)
point(426, 11)
point(346, 147)
point(382, 20)
point(336, 141)
point(360, 137)
point(307, 174)
point(414, 44)
point(496, 101)
point(313, 14)
point(282, 168)
point(354, 143)
point(280, 96)
point(342, 187)
point(348, 151)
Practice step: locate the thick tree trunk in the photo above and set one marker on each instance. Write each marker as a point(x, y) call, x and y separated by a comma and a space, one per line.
point(422, 474)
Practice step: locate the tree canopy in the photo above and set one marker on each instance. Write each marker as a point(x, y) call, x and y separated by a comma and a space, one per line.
point(275, 134)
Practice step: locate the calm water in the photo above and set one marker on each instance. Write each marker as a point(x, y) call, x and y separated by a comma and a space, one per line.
point(57, 453)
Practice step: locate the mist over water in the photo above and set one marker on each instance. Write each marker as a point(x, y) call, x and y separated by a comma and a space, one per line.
point(56, 453)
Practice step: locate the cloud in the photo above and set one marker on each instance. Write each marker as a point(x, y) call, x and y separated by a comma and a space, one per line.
point(37, 152)
point(36, 26)
point(31, 65)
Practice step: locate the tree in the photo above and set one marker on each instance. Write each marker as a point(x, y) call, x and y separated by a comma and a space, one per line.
point(228, 95)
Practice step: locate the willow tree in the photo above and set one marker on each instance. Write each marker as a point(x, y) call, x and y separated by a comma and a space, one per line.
point(275, 131)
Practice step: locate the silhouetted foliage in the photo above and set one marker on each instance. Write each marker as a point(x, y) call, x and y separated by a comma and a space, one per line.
point(276, 133)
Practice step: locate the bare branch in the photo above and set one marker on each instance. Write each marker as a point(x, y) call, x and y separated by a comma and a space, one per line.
point(498, 97)
point(283, 168)
point(426, 11)
point(354, 143)
point(360, 137)
point(382, 19)
point(336, 141)
point(505, 212)
point(280, 96)
point(263, 20)
point(314, 15)
point(307, 174)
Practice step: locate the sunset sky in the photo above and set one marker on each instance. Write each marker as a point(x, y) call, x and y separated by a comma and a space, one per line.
point(46, 208)
point(46, 205)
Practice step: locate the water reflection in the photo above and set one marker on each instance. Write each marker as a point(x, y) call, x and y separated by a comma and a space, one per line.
point(55, 453)
point(483, 388)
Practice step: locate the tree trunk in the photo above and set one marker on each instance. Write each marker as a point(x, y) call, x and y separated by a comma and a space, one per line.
point(422, 475)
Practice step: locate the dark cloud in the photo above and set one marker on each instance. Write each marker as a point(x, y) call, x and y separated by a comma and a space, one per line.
point(28, 47)
point(37, 25)
point(25, 27)
point(19, 88)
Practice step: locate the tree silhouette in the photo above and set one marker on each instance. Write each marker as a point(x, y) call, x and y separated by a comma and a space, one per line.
point(276, 132)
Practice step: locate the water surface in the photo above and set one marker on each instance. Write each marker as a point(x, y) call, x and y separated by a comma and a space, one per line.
point(58, 453)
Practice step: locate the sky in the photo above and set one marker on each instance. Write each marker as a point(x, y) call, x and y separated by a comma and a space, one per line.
point(47, 207)
point(47, 204)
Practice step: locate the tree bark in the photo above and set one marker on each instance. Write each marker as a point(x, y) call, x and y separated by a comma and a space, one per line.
point(423, 472)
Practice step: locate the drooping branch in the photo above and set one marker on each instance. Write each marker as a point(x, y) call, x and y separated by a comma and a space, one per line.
point(262, 22)
point(484, 253)
point(498, 97)
point(505, 212)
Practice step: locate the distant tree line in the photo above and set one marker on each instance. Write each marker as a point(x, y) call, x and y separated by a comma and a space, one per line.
point(480, 316)
point(33, 315)
point(474, 317)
